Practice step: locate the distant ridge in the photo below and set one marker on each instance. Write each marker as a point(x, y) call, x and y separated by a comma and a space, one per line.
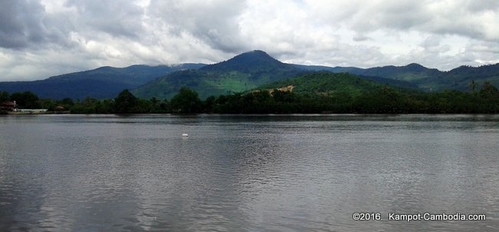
point(103, 82)
point(243, 72)
point(425, 79)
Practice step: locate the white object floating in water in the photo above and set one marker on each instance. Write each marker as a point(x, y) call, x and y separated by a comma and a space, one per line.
point(185, 135)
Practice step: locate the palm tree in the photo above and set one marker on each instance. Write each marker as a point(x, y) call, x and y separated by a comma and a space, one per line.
point(473, 85)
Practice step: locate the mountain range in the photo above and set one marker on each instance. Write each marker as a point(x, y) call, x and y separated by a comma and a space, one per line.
point(243, 72)
point(101, 83)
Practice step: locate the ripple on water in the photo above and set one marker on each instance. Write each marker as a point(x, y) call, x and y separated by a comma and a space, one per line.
point(245, 174)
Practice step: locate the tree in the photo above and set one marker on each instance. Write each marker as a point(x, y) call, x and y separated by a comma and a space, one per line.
point(473, 86)
point(186, 101)
point(126, 102)
point(4, 96)
point(67, 102)
point(154, 103)
point(26, 100)
point(209, 104)
point(164, 106)
point(48, 104)
point(489, 91)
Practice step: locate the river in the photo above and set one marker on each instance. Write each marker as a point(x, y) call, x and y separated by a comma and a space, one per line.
point(248, 173)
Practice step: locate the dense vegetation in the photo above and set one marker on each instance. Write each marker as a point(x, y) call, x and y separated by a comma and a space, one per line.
point(100, 83)
point(241, 73)
point(312, 93)
point(425, 79)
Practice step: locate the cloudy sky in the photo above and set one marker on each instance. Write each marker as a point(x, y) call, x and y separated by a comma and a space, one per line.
point(41, 38)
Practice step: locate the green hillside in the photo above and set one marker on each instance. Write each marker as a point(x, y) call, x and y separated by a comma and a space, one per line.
point(245, 72)
point(205, 83)
point(241, 73)
point(327, 84)
point(430, 80)
point(410, 72)
point(320, 92)
point(461, 79)
point(101, 83)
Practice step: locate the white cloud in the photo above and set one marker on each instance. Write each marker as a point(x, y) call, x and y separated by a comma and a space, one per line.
point(213, 22)
point(48, 37)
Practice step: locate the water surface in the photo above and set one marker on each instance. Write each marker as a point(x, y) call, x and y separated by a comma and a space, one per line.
point(246, 173)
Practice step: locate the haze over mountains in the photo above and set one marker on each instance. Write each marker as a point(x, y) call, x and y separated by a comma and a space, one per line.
point(244, 72)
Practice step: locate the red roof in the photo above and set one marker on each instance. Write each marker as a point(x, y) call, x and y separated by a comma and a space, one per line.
point(9, 104)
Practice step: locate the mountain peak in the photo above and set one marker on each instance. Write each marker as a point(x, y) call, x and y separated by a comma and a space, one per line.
point(258, 53)
point(415, 67)
point(255, 52)
point(256, 56)
point(247, 62)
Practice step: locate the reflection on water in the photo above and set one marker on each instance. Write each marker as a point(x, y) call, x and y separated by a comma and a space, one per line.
point(246, 173)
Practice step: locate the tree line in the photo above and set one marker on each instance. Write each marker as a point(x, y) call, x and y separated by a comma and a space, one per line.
point(383, 101)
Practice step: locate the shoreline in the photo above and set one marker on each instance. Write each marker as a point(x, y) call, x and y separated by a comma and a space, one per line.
point(34, 112)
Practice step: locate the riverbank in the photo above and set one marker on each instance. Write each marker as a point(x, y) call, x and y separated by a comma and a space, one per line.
point(33, 112)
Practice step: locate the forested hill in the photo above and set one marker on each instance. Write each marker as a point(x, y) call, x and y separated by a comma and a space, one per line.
point(464, 78)
point(426, 79)
point(310, 93)
point(327, 84)
point(243, 72)
point(254, 62)
point(103, 82)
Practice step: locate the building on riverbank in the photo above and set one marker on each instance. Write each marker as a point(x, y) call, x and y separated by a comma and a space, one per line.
point(9, 106)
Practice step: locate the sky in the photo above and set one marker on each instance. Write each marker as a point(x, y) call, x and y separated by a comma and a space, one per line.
point(43, 38)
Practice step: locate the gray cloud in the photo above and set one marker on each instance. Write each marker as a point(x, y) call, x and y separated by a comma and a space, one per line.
point(39, 38)
point(459, 17)
point(116, 18)
point(359, 38)
point(23, 25)
point(213, 22)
